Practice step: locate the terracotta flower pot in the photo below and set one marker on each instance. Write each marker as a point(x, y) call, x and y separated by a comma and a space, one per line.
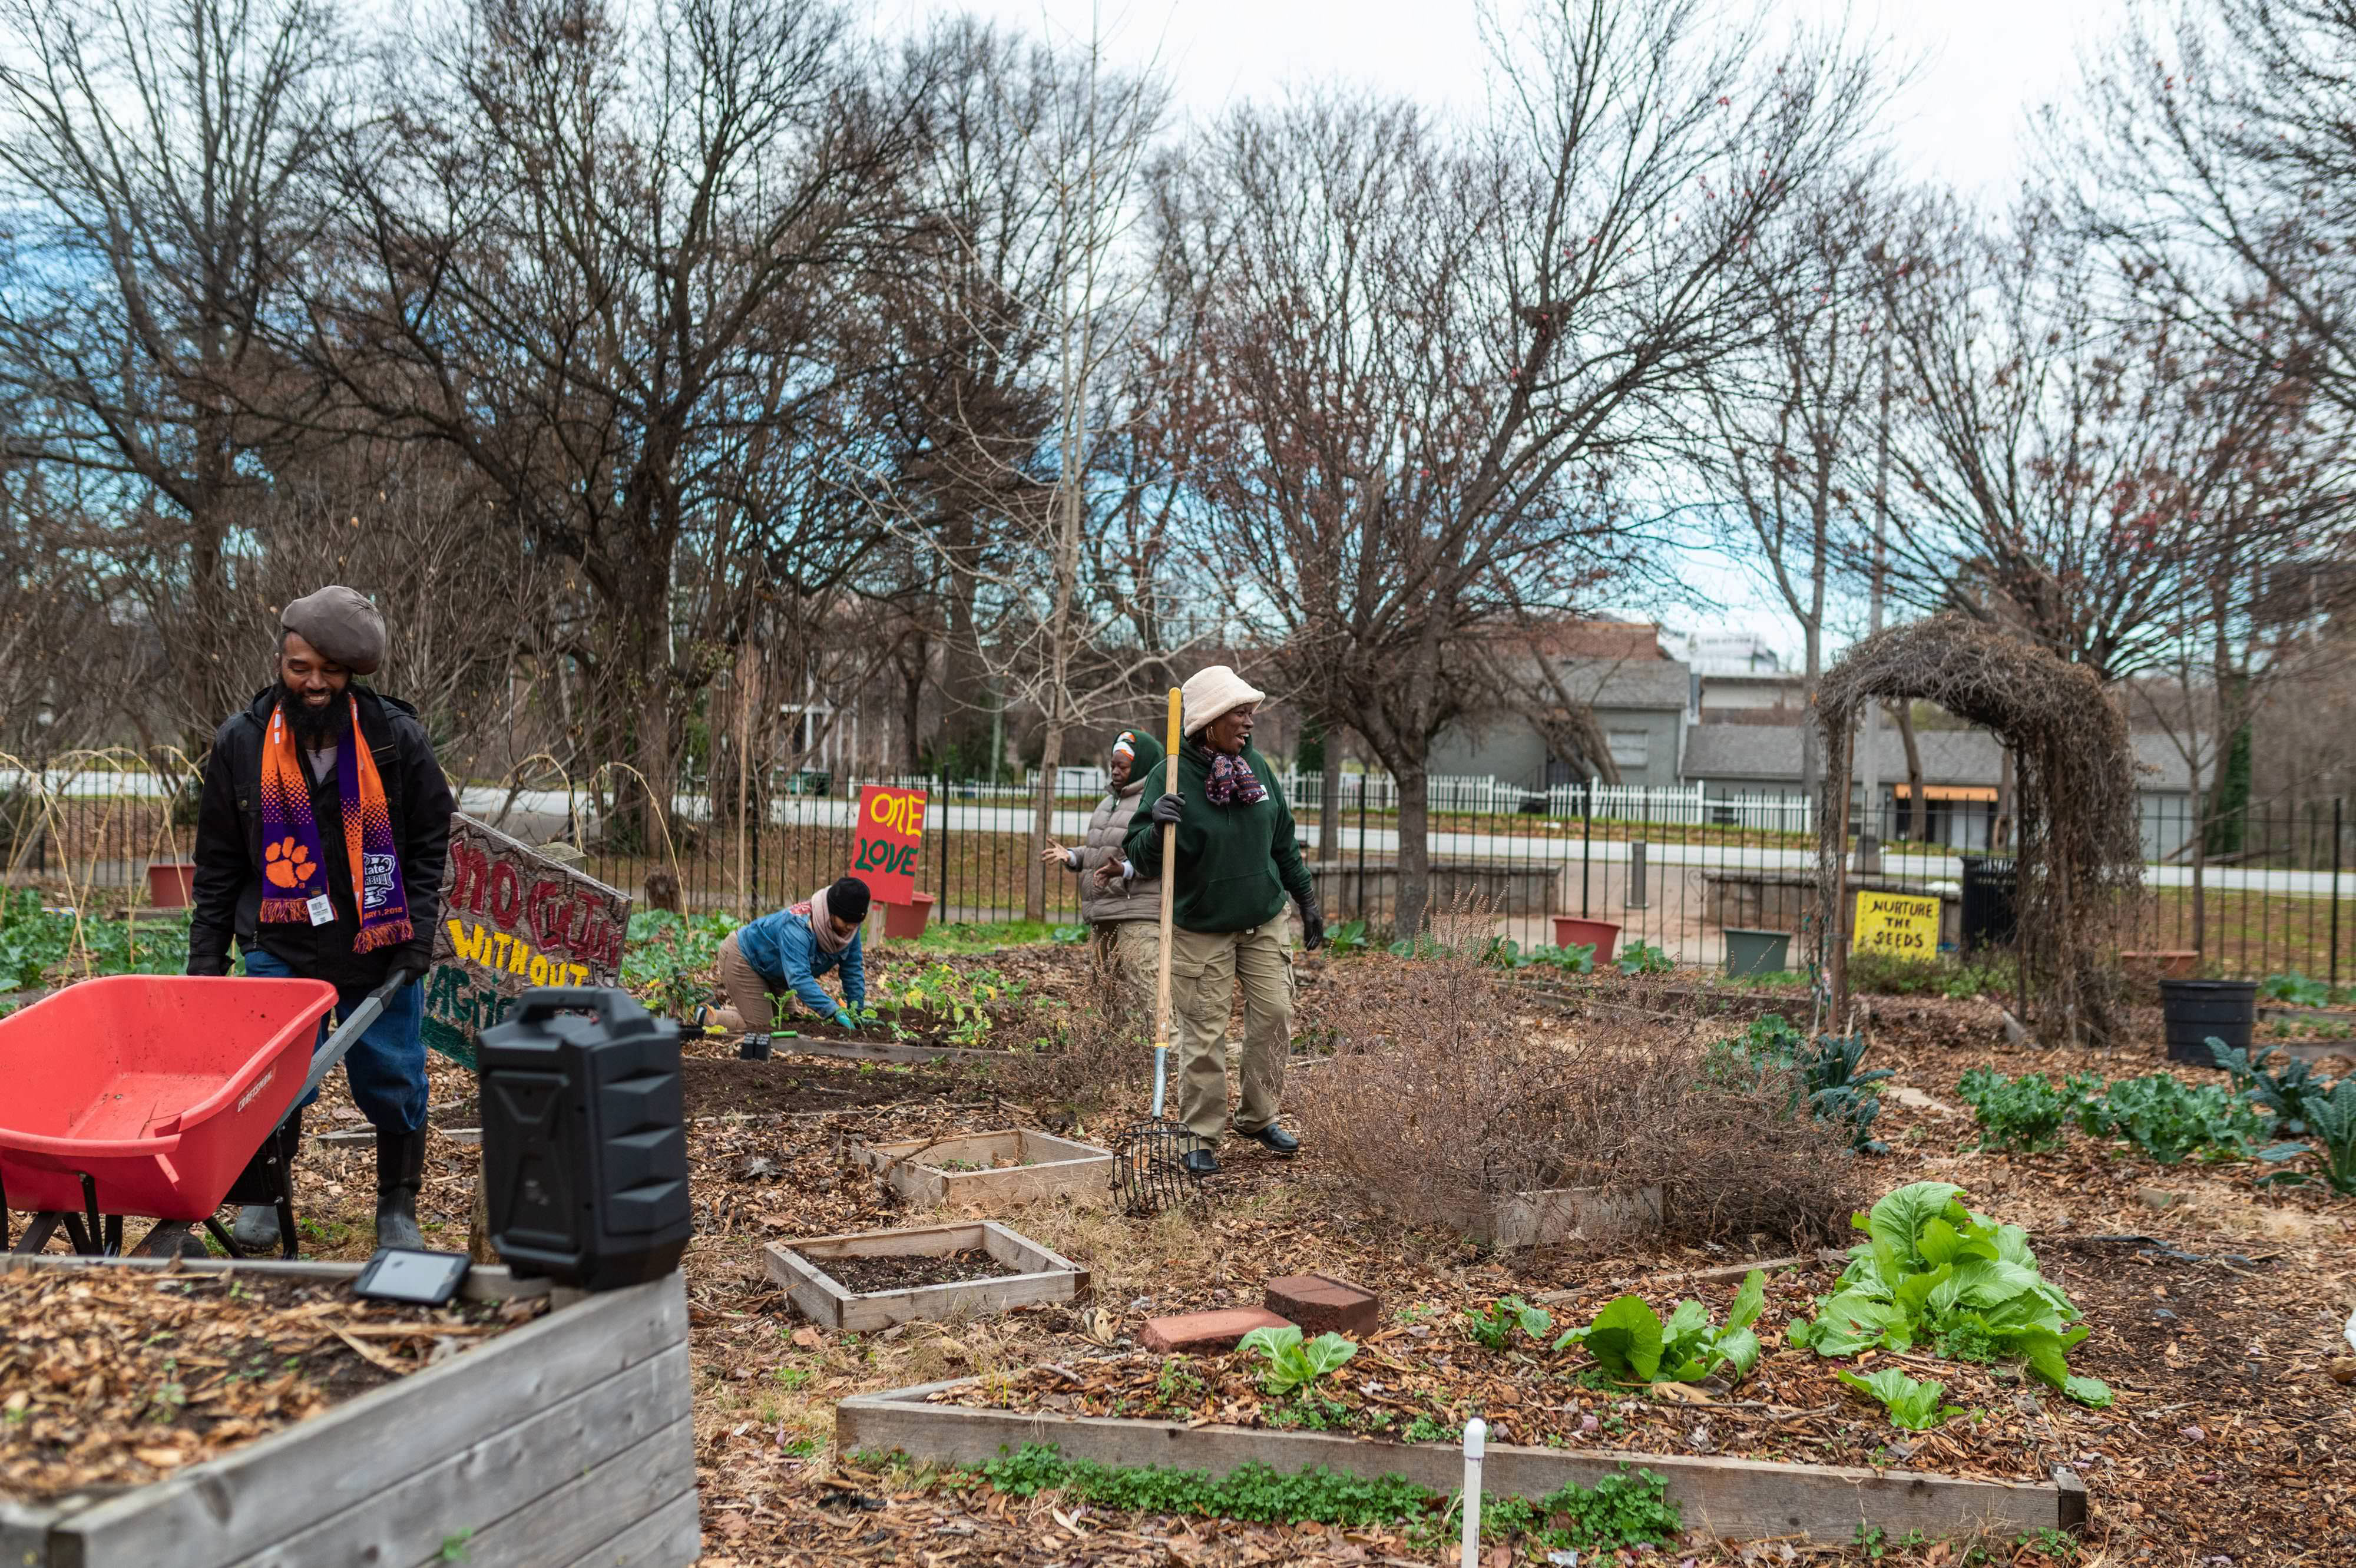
point(1569, 931)
point(171, 884)
point(907, 920)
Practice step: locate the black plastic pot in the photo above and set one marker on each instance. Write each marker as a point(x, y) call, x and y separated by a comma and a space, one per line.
point(1991, 884)
point(2198, 1011)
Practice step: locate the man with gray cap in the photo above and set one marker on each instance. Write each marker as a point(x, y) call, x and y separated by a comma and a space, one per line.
point(321, 838)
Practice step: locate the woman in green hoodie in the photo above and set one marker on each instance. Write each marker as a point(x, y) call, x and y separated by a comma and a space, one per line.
point(1123, 910)
point(1237, 864)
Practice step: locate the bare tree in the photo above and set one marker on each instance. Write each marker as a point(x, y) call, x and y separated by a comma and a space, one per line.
point(1056, 541)
point(2210, 152)
point(157, 162)
point(1791, 424)
point(606, 258)
point(1431, 365)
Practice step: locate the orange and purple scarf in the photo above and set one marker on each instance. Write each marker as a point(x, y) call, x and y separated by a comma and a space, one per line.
point(293, 869)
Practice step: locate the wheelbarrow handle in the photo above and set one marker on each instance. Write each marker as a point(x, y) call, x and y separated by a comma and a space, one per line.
point(348, 1031)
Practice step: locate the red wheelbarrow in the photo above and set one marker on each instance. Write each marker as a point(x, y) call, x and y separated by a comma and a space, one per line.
point(149, 1095)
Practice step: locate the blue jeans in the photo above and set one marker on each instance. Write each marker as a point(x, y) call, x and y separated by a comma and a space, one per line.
point(386, 1065)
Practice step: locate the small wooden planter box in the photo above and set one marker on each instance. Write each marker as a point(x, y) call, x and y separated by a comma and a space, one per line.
point(1561, 1214)
point(1056, 1167)
point(566, 1443)
point(1733, 1499)
point(1046, 1277)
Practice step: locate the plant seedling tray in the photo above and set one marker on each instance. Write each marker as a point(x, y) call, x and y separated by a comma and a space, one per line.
point(1042, 1275)
point(964, 1172)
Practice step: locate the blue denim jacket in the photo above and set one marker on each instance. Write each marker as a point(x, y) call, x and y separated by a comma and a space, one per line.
point(784, 951)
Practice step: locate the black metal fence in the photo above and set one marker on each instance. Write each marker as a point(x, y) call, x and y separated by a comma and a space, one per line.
point(2256, 894)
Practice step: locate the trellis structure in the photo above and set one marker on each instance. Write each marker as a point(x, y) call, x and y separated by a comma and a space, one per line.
point(2078, 855)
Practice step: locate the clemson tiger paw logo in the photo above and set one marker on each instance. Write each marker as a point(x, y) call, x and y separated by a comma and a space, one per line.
point(286, 862)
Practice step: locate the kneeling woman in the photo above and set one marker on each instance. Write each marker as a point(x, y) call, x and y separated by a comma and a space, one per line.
point(784, 953)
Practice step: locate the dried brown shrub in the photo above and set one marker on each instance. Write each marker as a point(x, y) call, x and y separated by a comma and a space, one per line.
point(1442, 1094)
point(1078, 1058)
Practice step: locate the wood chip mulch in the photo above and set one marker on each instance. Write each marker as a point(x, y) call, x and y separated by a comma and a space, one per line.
point(117, 1377)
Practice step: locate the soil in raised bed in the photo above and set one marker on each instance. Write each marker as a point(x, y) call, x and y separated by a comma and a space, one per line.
point(866, 1276)
point(716, 1086)
point(116, 1377)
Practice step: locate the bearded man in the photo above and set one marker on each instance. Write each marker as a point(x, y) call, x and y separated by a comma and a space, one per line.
point(321, 840)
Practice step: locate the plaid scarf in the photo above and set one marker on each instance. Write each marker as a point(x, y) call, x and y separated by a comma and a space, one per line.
point(293, 869)
point(1232, 782)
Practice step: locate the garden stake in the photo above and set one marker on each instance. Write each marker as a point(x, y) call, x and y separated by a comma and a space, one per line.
point(1148, 1166)
point(1476, 1437)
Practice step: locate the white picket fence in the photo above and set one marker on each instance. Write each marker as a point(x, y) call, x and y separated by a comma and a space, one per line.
point(1680, 805)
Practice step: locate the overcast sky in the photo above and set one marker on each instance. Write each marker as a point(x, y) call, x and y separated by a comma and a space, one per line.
point(1979, 66)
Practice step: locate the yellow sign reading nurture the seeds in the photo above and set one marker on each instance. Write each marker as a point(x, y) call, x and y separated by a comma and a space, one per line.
point(1898, 925)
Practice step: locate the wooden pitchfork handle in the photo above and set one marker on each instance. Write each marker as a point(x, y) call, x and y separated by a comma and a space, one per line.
point(1169, 906)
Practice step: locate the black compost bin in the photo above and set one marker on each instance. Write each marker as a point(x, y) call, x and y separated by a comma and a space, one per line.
point(2196, 1011)
point(584, 1142)
point(1991, 884)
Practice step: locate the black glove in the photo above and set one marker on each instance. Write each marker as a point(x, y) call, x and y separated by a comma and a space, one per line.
point(1313, 925)
point(1168, 809)
point(401, 975)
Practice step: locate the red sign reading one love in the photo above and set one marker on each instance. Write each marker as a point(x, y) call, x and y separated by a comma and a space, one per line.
point(891, 831)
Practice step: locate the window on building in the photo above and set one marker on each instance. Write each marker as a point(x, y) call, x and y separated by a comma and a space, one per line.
point(1630, 747)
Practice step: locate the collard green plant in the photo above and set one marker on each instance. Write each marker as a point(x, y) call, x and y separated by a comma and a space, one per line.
point(2294, 989)
point(1933, 1271)
point(1911, 1404)
point(1632, 1343)
point(1824, 1072)
point(1349, 936)
point(2025, 1112)
point(1291, 1365)
point(1495, 1326)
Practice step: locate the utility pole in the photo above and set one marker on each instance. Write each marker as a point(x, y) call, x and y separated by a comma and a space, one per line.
point(1869, 830)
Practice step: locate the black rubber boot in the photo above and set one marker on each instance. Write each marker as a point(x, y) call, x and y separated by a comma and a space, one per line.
point(400, 1171)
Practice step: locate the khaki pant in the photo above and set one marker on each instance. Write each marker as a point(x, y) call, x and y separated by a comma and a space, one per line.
point(749, 1011)
point(1205, 968)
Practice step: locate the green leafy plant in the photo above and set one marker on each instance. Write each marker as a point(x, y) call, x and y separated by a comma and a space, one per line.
point(2025, 1112)
point(2330, 1120)
point(1620, 1510)
point(1632, 1343)
point(1643, 957)
point(1495, 1326)
point(668, 960)
point(2294, 989)
point(1931, 1270)
point(2280, 1094)
point(1838, 1092)
point(1911, 1404)
point(1349, 936)
point(1068, 936)
point(2165, 1119)
point(1290, 1364)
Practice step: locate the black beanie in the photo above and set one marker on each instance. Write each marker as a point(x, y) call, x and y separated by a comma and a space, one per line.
point(847, 899)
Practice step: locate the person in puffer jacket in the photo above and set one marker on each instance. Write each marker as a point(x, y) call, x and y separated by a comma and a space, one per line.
point(1123, 910)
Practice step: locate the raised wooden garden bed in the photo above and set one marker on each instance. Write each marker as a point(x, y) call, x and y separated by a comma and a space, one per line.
point(989, 1173)
point(564, 1443)
point(1731, 1499)
point(1032, 1275)
point(1561, 1214)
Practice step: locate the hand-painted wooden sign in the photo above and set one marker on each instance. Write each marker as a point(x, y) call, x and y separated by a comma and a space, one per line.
point(891, 831)
point(512, 918)
point(1897, 924)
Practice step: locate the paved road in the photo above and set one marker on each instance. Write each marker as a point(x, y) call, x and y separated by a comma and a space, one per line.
point(1564, 848)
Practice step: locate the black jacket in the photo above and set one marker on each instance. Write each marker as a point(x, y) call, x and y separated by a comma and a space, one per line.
point(229, 849)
